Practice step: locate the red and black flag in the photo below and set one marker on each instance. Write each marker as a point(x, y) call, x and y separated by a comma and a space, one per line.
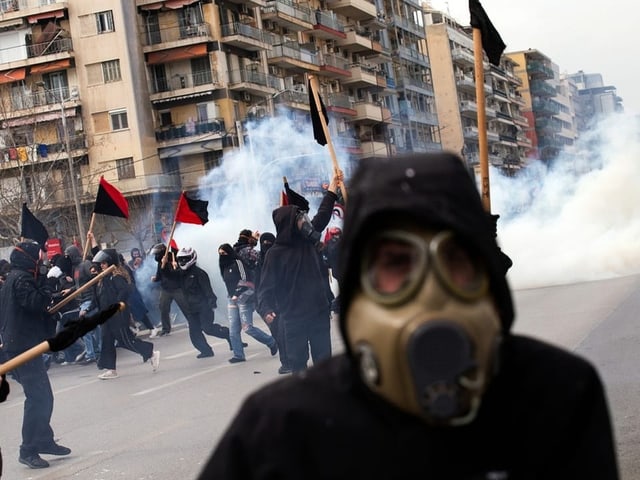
point(192, 211)
point(32, 228)
point(318, 131)
point(492, 43)
point(110, 201)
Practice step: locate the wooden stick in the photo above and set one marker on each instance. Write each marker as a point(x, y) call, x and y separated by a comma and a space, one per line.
point(315, 88)
point(73, 295)
point(86, 241)
point(483, 148)
point(24, 357)
point(166, 250)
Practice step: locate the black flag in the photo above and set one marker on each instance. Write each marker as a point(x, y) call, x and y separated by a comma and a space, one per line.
point(318, 131)
point(491, 41)
point(33, 228)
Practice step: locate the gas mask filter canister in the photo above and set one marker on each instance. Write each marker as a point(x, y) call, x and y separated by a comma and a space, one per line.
point(423, 325)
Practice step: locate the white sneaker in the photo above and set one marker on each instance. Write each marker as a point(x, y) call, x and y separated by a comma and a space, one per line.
point(154, 332)
point(108, 375)
point(155, 360)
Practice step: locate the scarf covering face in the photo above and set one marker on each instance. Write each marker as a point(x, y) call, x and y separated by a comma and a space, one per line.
point(432, 190)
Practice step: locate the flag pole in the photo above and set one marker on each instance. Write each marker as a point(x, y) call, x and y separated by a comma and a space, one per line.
point(173, 229)
point(482, 119)
point(315, 88)
point(86, 242)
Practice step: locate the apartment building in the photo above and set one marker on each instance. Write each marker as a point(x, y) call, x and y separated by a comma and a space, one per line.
point(593, 100)
point(547, 106)
point(451, 54)
point(151, 94)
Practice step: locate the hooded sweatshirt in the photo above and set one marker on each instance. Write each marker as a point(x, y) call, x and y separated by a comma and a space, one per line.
point(544, 414)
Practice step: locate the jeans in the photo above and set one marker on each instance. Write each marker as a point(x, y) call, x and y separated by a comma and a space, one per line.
point(92, 340)
point(38, 406)
point(241, 319)
point(309, 332)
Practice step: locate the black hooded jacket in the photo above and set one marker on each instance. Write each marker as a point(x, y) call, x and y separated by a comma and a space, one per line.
point(294, 280)
point(24, 300)
point(544, 415)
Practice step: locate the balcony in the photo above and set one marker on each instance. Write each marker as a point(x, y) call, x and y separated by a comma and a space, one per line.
point(247, 37)
point(183, 86)
point(470, 132)
point(360, 42)
point(462, 56)
point(542, 89)
point(327, 26)
point(18, 8)
point(504, 118)
point(172, 37)
point(340, 103)
point(253, 82)
point(334, 67)
point(511, 140)
point(373, 148)
point(370, 113)
point(18, 156)
point(295, 99)
point(38, 102)
point(36, 53)
point(409, 26)
point(347, 143)
point(466, 83)
point(355, 9)
point(414, 84)
point(189, 131)
point(468, 108)
point(364, 76)
point(412, 55)
point(545, 107)
point(289, 15)
point(538, 70)
point(291, 57)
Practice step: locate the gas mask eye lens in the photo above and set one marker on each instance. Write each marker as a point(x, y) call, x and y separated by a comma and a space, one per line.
point(393, 266)
point(458, 267)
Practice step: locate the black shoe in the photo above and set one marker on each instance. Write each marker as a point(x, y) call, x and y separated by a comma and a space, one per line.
point(236, 360)
point(54, 449)
point(33, 461)
point(273, 349)
point(205, 355)
point(87, 361)
point(163, 333)
point(284, 370)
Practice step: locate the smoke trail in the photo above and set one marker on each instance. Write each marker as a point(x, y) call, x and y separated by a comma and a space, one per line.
point(580, 219)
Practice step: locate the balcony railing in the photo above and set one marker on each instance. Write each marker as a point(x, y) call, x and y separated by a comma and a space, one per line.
point(329, 20)
point(291, 50)
point(286, 7)
point(339, 100)
point(255, 77)
point(190, 129)
point(42, 152)
point(173, 34)
point(292, 96)
point(15, 5)
point(237, 28)
point(42, 98)
point(412, 55)
point(336, 62)
point(412, 27)
point(183, 80)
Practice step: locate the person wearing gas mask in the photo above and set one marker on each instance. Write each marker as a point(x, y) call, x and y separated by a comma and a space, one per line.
point(200, 301)
point(294, 282)
point(24, 301)
point(432, 384)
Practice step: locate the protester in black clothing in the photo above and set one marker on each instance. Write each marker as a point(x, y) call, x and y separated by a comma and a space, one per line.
point(199, 303)
point(433, 384)
point(294, 282)
point(168, 274)
point(114, 288)
point(139, 310)
point(24, 300)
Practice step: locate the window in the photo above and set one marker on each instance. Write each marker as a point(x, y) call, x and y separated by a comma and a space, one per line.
point(104, 21)
point(125, 168)
point(212, 159)
point(119, 120)
point(111, 71)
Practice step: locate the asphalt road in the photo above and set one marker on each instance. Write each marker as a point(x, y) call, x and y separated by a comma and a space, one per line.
point(163, 425)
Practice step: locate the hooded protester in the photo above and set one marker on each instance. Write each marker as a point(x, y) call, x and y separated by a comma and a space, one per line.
point(294, 282)
point(433, 384)
point(24, 300)
point(115, 288)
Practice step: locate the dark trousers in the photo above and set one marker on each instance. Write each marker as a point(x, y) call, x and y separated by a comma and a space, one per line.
point(38, 406)
point(277, 331)
point(311, 332)
point(166, 297)
point(126, 339)
point(201, 319)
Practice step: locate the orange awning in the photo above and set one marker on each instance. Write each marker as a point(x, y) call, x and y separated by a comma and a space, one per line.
point(51, 66)
point(42, 16)
point(174, 54)
point(13, 75)
point(175, 4)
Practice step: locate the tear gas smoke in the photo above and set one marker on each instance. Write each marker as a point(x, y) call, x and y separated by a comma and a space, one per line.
point(578, 220)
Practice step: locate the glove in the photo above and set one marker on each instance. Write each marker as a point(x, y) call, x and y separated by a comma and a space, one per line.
point(54, 272)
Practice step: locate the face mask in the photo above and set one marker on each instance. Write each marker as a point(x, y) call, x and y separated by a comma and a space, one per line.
point(305, 227)
point(423, 326)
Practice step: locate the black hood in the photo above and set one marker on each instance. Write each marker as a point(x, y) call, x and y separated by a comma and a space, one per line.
point(284, 218)
point(25, 256)
point(434, 190)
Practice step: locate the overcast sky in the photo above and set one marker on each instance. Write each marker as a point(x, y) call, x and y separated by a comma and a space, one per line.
point(596, 37)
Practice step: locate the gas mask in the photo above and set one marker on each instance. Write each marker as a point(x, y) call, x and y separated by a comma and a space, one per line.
point(305, 228)
point(423, 326)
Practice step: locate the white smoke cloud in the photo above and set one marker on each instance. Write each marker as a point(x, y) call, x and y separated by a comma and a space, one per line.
point(580, 219)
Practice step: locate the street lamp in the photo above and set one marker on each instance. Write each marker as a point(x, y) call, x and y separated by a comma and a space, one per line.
point(67, 146)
